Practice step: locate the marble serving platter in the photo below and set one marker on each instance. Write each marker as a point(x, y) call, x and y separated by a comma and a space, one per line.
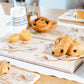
point(38, 51)
point(19, 76)
point(71, 16)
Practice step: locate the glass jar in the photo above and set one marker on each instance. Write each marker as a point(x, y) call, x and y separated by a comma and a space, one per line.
point(19, 16)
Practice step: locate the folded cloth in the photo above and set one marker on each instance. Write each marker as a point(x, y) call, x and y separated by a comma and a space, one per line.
point(3, 30)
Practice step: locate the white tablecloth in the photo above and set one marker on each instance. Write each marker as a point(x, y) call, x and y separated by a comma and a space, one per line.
point(78, 76)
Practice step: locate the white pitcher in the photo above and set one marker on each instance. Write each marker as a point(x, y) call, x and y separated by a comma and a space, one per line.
point(3, 29)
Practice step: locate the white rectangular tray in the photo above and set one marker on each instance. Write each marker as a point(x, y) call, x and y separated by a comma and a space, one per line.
point(38, 51)
point(71, 16)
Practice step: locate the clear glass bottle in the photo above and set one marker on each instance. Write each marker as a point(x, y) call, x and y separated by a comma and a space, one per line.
point(31, 15)
point(34, 12)
point(19, 3)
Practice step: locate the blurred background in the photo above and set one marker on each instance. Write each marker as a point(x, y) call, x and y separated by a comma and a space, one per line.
point(58, 4)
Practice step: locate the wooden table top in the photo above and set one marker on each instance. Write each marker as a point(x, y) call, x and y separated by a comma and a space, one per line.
point(51, 14)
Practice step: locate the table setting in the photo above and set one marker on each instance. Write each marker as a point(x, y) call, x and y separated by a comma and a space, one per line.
point(39, 44)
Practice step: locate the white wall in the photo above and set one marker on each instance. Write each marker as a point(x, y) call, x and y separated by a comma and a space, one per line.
point(62, 4)
point(59, 4)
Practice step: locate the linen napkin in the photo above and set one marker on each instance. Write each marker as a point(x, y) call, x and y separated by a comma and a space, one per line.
point(3, 30)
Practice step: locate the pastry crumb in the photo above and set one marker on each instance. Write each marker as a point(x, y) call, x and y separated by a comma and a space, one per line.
point(22, 76)
point(45, 57)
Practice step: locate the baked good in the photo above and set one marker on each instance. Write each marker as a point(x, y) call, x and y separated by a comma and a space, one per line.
point(61, 45)
point(76, 48)
point(54, 24)
point(4, 67)
point(42, 24)
point(65, 45)
point(14, 37)
point(80, 14)
point(25, 35)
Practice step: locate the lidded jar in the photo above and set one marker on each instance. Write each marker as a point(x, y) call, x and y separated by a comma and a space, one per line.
point(19, 16)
